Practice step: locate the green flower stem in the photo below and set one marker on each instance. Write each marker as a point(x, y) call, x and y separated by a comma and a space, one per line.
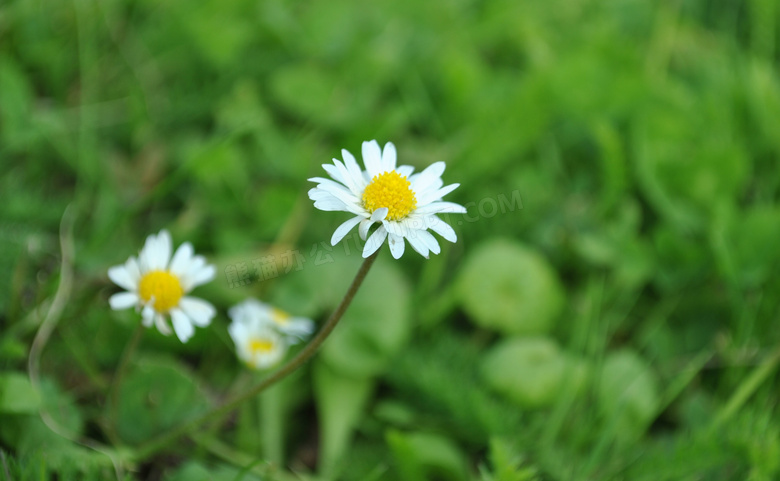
point(270, 414)
point(155, 445)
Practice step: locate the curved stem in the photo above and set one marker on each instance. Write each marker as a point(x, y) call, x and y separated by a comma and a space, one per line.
point(163, 440)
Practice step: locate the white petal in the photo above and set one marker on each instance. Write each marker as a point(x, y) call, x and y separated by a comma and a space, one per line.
point(132, 269)
point(379, 214)
point(375, 241)
point(341, 193)
point(431, 196)
point(147, 314)
point(323, 181)
point(355, 185)
point(389, 157)
point(350, 201)
point(394, 227)
point(355, 172)
point(198, 276)
point(405, 170)
point(365, 224)
point(372, 157)
point(418, 245)
point(238, 332)
point(144, 257)
point(162, 325)
point(297, 329)
point(332, 204)
point(429, 241)
point(299, 326)
point(422, 189)
point(151, 253)
point(193, 268)
point(247, 310)
point(181, 259)
point(165, 247)
point(182, 325)
point(315, 194)
point(121, 277)
point(198, 310)
point(396, 244)
point(431, 173)
point(411, 223)
point(157, 250)
point(442, 228)
point(443, 207)
point(123, 300)
point(344, 229)
point(333, 172)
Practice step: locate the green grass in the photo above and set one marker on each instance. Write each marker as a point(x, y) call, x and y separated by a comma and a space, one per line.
point(609, 312)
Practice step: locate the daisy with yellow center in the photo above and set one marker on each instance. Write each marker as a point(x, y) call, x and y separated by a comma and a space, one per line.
point(259, 347)
point(404, 203)
point(158, 284)
point(262, 333)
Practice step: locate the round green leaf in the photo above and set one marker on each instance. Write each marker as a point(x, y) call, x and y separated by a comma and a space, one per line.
point(528, 371)
point(155, 396)
point(511, 288)
point(628, 392)
point(17, 395)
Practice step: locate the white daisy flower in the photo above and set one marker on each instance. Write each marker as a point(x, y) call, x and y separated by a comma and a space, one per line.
point(294, 329)
point(257, 344)
point(157, 284)
point(404, 203)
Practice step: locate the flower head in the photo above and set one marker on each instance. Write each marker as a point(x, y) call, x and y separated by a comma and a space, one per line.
point(262, 333)
point(258, 345)
point(404, 203)
point(158, 285)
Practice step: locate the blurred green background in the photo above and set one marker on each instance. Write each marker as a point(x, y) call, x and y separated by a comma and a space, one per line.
point(609, 311)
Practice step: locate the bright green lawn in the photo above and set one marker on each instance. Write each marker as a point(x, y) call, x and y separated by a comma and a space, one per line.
point(609, 312)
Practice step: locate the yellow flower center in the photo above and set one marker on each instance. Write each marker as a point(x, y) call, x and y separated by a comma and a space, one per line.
point(261, 346)
point(279, 316)
point(164, 287)
point(391, 190)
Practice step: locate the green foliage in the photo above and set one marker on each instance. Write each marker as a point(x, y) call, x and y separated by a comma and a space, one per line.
point(156, 396)
point(608, 312)
point(506, 465)
point(421, 456)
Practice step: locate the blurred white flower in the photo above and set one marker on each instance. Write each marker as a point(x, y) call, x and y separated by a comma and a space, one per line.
point(262, 333)
point(157, 284)
point(257, 344)
point(404, 203)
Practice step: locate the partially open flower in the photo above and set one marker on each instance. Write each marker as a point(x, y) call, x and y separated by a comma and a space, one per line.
point(158, 285)
point(262, 333)
point(258, 345)
point(405, 204)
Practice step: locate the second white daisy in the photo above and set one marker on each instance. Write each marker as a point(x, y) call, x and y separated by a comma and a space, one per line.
point(403, 203)
point(157, 284)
